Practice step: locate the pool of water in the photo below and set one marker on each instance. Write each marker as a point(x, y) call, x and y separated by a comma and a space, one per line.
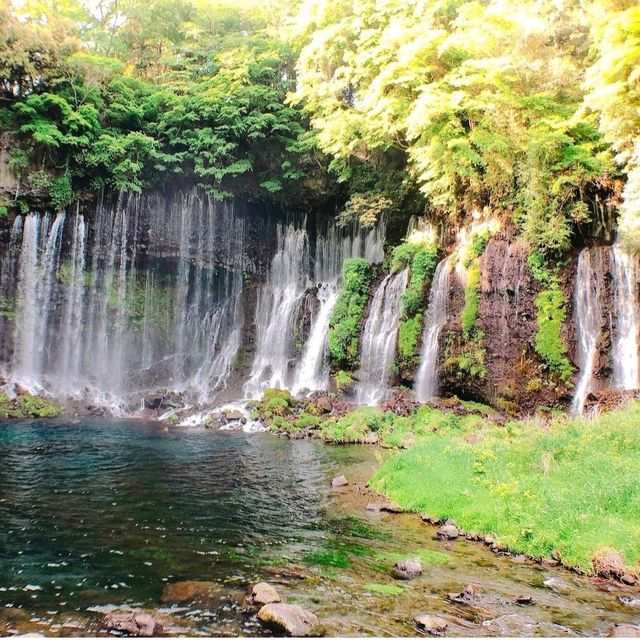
point(96, 514)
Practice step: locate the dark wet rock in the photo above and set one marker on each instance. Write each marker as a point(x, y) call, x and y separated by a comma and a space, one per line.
point(133, 623)
point(339, 481)
point(324, 404)
point(153, 401)
point(407, 569)
point(430, 624)
point(524, 600)
point(263, 593)
point(469, 595)
point(288, 618)
point(190, 590)
point(624, 630)
point(549, 562)
point(448, 532)
point(556, 584)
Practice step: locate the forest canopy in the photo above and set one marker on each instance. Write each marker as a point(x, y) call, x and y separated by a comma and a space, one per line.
point(529, 109)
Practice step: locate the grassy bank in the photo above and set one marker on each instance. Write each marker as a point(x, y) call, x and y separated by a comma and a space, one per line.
point(572, 486)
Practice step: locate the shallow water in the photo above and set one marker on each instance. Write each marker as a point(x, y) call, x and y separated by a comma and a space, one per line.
point(97, 513)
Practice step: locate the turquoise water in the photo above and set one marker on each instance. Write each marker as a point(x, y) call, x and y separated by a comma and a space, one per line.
point(110, 512)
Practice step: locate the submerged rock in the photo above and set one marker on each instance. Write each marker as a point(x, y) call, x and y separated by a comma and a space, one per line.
point(469, 595)
point(556, 584)
point(407, 569)
point(189, 590)
point(431, 624)
point(448, 532)
point(339, 481)
point(264, 593)
point(134, 623)
point(624, 630)
point(288, 618)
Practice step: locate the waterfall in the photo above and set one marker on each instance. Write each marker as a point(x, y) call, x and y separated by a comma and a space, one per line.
point(426, 385)
point(278, 301)
point(312, 372)
point(625, 347)
point(142, 295)
point(588, 319)
point(378, 343)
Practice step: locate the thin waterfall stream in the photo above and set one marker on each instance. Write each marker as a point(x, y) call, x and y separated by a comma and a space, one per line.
point(426, 384)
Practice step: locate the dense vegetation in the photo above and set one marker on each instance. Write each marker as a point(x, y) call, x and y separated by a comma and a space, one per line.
point(526, 109)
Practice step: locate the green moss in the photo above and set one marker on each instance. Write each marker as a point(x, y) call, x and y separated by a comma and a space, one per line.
point(344, 380)
point(385, 589)
point(469, 313)
point(535, 486)
point(465, 357)
point(427, 556)
point(344, 327)
point(549, 343)
point(409, 336)
point(26, 405)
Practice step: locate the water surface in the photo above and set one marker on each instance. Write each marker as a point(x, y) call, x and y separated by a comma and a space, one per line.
point(107, 513)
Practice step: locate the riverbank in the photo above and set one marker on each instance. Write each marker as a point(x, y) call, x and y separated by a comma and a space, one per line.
point(550, 487)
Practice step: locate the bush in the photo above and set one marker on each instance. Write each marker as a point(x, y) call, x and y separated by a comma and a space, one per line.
point(344, 328)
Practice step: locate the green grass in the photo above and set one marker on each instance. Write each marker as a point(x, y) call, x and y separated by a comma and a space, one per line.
point(570, 485)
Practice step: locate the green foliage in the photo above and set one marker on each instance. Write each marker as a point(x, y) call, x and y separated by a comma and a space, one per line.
point(549, 343)
point(61, 193)
point(535, 487)
point(344, 327)
point(355, 426)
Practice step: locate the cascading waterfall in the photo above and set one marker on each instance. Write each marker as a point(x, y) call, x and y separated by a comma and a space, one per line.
point(312, 372)
point(146, 296)
point(625, 347)
point(426, 384)
point(378, 344)
point(278, 301)
point(588, 318)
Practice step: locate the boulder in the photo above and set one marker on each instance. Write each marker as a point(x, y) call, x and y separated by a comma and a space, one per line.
point(371, 438)
point(448, 532)
point(233, 415)
point(430, 624)
point(288, 618)
point(324, 404)
point(133, 623)
point(610, 564)
point(264, 593)
point(339, 481)
point(624, 630)
point(407, 569)
point(190, 590)
point(153, 401)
